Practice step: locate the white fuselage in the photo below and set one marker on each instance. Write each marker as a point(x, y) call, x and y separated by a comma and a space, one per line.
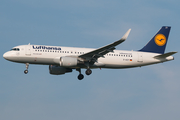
point(49, 55)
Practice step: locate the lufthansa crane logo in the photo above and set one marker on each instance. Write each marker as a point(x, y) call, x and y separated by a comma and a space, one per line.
point(160, 39)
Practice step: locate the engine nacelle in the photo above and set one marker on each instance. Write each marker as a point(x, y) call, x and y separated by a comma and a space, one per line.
point(68, 61)
point(58, 70)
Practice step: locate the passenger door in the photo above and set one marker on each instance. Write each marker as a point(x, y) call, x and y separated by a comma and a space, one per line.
point(140, 57)
point(28, 50)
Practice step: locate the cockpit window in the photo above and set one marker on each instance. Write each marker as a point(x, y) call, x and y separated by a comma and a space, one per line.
point(15, 49)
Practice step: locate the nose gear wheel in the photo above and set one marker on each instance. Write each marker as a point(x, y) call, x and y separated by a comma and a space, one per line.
point(27, 66)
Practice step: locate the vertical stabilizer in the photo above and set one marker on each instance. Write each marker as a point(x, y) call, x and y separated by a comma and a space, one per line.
point(158, 43)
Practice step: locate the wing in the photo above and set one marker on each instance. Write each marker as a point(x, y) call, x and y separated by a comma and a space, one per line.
point(100, 52)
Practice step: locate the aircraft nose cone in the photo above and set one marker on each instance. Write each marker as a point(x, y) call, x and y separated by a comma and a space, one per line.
point(6, 56)
point(10, 56)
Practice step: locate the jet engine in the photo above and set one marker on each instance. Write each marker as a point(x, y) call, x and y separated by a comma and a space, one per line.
point(68, 61)
point(58, 70)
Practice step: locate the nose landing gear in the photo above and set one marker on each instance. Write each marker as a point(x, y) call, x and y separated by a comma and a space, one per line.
point(26, 71)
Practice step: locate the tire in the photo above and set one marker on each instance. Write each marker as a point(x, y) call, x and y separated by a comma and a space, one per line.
point(88, 71)
point(26, 71)
point(80, 76)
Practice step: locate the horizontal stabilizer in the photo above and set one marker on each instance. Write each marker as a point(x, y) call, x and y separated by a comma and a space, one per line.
point(165, 55)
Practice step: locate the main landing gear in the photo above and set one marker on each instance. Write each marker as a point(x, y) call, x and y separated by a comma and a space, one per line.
point(81, 76)
point(88, 71)
point(26, 71)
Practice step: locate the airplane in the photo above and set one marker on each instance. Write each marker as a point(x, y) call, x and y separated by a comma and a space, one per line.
point(63, 60)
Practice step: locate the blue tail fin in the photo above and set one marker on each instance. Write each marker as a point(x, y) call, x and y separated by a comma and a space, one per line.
point(158, 43)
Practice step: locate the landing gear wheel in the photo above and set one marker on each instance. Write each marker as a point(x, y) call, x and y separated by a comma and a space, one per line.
point(26, 71)
point(88, 71)
point(80, 76)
